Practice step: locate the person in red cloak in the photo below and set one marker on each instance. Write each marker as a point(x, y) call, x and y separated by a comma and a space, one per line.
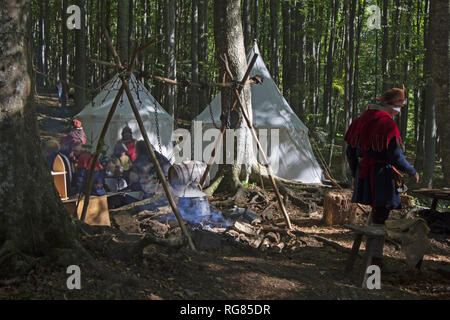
point(74, 137)
point(375, 156)
point(129, 142)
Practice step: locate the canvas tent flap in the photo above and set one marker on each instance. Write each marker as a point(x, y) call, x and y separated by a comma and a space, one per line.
point(94, 115)
point(294, 159)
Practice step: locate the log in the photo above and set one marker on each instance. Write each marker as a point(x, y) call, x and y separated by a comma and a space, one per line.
point(337, 208)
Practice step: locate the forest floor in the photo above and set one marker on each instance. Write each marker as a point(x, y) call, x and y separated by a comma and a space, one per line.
point(223, 268)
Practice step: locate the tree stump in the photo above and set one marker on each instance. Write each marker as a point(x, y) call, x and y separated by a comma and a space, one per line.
point(338, 209)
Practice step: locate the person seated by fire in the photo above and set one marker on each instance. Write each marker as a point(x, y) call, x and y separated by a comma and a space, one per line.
point(143, 176)
point(129, 142)
point(119, 163)
point(74, 137)
point(375, 158)
point(82, 168)
point(117, 169)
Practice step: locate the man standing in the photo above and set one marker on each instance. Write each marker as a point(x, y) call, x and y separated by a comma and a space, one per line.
point(375, 138)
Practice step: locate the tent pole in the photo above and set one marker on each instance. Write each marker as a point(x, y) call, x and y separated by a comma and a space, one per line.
point(159, 171)
point(97, 151)
point(266, 164)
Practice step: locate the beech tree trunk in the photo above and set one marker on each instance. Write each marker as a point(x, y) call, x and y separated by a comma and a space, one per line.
point(80, 58)
point(122, 29)
point(440, 22)
point(430, 114)
point(229, 40)
point(32, 217)
point(171, 66)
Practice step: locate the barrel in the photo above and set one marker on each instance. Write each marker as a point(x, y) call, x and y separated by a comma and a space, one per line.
point(187, 172)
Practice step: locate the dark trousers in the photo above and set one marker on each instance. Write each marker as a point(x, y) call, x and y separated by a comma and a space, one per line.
point(380, 215)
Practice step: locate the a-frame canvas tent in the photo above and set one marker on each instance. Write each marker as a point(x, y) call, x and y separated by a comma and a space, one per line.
point(94, 114)
point(293, 158)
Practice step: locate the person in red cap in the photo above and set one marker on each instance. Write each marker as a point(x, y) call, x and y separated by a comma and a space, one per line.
point(74, 137)
point(375, 157)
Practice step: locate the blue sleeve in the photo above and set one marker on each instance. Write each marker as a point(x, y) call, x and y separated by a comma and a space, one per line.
point(79, 180)
point(352, 159)
point(396, 158)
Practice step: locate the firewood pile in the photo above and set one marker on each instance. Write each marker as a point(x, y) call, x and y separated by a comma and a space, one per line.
point(265, 230)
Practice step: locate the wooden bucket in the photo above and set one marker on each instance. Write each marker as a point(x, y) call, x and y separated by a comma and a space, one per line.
point(187, 172)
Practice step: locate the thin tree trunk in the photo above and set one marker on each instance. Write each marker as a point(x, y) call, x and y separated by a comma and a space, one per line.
point(430, 115)
point(171, 67)
point(64, 58)
point(385, 46)
point(122, 29)
point(80, 58)
point(361, 8)
point(287, 74)
point(246, 16)
point(194, 56)
point(328, 89)
point(440, 22)
point(203, 49)
point(275, 35)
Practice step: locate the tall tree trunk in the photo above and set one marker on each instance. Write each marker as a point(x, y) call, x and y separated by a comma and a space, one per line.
point(32, 218)
point(406, 66)
point(275, 35)
point(349, 11)
point(328, 89)
point(287, 74)
point(80, 58)
point(361, 8)
point(246, 15)
point(299, 41)
point(229, 40)
point(194, 57)
point(47, 40)
point(64, 56)
point(171, 66)
point(122, 29)
point(256, 20)
point(385, 46)
point(430, 114)
point(440, 22)
point(40, 80)
point(203, 49)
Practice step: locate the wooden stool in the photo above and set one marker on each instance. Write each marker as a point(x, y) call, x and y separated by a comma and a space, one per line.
point(373, 235)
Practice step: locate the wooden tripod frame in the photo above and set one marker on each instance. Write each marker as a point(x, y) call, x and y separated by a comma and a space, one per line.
point(124, 74)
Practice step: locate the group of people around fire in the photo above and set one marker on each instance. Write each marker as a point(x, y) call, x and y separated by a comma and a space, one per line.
point(373, 152)
point(128, 168)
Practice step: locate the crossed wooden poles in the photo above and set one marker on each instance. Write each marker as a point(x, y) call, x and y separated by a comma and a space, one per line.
point(237, 101)
point(124, 74)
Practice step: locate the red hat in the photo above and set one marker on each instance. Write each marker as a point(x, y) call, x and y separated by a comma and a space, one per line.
point(392, 95)
point(76, 123)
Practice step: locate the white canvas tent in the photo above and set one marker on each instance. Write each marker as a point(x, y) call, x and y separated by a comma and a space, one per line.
point(293, 159)
point(94, 114)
